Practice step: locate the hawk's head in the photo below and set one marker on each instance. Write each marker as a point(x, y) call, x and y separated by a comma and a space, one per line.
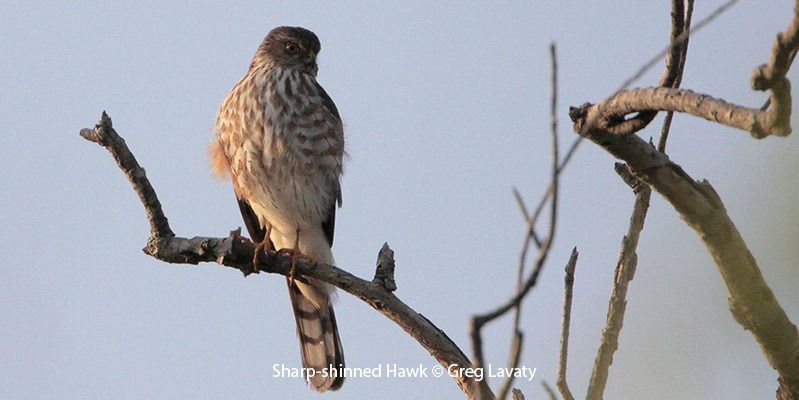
point(289, 47)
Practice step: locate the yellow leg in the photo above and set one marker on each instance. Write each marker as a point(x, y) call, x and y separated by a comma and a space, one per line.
point(265, 244)
point(294, 253)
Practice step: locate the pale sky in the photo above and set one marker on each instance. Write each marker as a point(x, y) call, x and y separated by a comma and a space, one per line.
point(446, 108)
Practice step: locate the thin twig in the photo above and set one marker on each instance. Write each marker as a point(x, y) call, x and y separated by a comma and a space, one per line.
point(550, 393)
point(562, 382)
point(553, 217)
point(517, 333)
point(625, 270)
point(478, 321)
point(676, 42)
point(676, 60)
point(515, 357)
point(531, 233)
point(791, 57)
point(548, 192)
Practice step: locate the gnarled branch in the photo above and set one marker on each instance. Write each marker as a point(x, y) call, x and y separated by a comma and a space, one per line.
point(237, 252)
point(608, 115)
point(752, 302)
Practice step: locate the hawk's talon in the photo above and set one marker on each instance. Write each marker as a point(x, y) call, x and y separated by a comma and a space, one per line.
point(261, 248)
point(294, 256)
point(286, 252)
point(256, 258)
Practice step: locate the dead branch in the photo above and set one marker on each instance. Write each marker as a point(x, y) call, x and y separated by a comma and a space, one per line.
point(104, 135)
point(628, 259)
point(523, 286)
point(608, 115)
point(675, 61)
point(670, 52)
point(625, 270)
point(237, 252)
point(562, 383)
point(518, 337)
point(550, 393)
point(752, 302)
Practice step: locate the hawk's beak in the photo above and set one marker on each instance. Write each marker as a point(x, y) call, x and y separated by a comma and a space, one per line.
point(311, 57)
point(312, 62)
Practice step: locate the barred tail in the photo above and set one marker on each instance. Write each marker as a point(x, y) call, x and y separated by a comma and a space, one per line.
point(319, 341)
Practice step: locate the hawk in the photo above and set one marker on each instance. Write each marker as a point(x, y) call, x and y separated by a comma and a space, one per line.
point(281, 140)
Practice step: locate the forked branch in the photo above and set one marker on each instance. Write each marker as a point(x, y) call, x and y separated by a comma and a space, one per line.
point(237, 252)
point(609, 115)
point(752, 302)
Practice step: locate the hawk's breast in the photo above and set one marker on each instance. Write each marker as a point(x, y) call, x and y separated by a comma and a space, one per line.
point(285, 147)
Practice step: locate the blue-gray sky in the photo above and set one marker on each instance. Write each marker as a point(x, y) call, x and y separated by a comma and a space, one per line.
point(446, 109)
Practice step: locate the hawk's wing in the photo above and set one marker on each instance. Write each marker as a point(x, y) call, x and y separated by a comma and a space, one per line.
point(257, 232)
point(220, 166)
point(329, 225)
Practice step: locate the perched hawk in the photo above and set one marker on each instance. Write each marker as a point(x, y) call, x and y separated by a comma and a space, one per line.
point(280, 138)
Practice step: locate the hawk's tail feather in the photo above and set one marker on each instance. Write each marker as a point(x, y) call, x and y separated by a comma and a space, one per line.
point(320, 344)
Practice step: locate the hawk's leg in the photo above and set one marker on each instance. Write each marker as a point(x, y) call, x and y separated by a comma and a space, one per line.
point(294, 252)
point(262, 247)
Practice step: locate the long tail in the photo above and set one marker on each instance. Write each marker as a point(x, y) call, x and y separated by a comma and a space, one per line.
point(319, 341)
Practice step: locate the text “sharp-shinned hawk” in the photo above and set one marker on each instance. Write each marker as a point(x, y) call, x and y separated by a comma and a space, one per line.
point(280, 139)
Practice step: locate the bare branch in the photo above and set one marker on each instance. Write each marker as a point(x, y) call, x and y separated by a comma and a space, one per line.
point(641, 123)
point(562, 383)
point(678, 41)
point(515, 357)
point(550, 393)
point(531, 233)
point(673, 43)
point(759, 123)
point(608, 115)
point(105, 135)
point(237, 252)
point(478, 321)
point(533, 219)
point(625, 270)
point(675, 62)
point(517, 333)
point(752, 302)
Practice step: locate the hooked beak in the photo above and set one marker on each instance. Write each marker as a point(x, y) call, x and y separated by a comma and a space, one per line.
point(311, 63)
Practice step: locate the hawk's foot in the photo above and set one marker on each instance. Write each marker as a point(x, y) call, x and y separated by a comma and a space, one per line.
point(294, 253)
point(293, 275)
point(260, 249)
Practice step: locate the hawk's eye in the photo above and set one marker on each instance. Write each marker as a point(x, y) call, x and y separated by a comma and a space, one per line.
point(291, 48)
